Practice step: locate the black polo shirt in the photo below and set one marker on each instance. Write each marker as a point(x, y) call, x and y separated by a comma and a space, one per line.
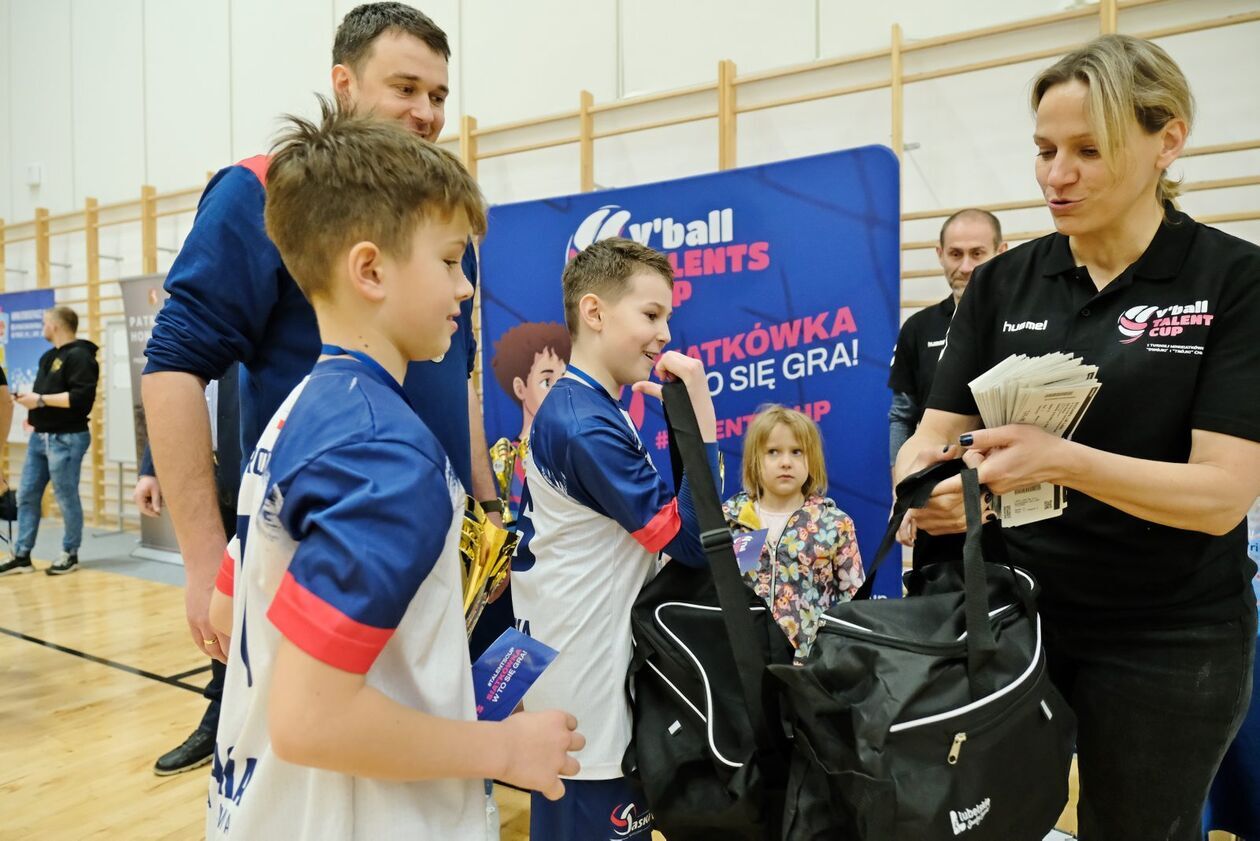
point(918, 348)
point(1176, 339)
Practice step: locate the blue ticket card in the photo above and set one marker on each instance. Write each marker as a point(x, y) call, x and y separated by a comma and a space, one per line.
point(506, 671)
point(748, 549)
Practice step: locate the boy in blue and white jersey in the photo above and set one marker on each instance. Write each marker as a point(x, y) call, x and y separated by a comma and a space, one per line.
point(595, 517)
point(348, 709)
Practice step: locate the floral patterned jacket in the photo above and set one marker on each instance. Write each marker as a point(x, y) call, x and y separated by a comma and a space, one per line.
point(815, 565)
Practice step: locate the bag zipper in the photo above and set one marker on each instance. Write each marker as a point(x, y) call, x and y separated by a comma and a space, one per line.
point(832, 625)
point(1037, 663)
point(956, 748)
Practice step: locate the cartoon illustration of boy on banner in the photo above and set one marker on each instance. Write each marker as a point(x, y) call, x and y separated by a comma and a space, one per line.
point(527, 360)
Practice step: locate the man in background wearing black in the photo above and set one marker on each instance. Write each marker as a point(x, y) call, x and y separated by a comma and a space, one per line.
point(58, 405)
point(968, 238)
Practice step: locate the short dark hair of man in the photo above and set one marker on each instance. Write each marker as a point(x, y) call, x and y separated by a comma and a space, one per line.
point(974, 213)
point(67, 317)
point(361, 27)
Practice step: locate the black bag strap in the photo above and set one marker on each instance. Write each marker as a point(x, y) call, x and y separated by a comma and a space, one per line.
point(980, 641)
point(912, 492)
point(687, 448)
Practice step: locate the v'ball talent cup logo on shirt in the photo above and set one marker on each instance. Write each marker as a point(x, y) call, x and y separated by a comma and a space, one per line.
point(1161, 322)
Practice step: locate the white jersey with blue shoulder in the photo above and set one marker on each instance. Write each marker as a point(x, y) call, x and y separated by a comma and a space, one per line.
point(596, 515)
point(347, 546)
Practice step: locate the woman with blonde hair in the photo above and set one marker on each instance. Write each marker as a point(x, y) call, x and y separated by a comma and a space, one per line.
point(1148, 616)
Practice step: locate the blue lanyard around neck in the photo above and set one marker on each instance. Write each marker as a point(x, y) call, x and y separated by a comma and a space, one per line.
point(591, 381)
point(376, 369)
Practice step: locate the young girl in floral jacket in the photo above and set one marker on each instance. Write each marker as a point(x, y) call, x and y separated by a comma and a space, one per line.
point(810, 560)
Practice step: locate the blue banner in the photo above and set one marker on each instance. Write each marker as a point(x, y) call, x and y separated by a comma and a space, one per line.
point(787, 287)
point(22, 343)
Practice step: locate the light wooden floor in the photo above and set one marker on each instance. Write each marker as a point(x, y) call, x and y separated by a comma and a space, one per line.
point(78, 737)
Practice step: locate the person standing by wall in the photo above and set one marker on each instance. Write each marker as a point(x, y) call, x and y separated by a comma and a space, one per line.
point(968, 238)
point(58, 405)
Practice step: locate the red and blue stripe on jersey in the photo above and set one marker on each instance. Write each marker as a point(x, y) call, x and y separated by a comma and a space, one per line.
point(367, 500)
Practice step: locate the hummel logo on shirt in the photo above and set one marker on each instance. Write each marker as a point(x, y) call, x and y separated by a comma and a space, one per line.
point(1007, 327)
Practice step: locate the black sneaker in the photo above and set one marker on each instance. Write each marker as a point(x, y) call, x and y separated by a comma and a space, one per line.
point(193, 753)
point(17, 565)
point(69, 563)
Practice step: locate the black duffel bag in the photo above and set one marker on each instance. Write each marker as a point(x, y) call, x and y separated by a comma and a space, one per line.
point(707, 744)
point(930, 717)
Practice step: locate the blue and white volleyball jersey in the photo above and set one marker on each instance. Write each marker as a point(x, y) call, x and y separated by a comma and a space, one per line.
point(595, 516)
point(348, 547)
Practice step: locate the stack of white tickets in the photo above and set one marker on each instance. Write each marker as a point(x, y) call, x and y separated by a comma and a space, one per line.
point(1051, 391)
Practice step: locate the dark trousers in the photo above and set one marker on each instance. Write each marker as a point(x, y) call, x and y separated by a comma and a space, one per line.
point(214, 694)
point(1157, 710)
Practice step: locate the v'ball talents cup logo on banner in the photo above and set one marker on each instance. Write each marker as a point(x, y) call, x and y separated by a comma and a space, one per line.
point(697, 247)
point(786, 286)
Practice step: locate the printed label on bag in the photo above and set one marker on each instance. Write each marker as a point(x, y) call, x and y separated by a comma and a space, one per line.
point(507, 670)
point(967, 819)
point(748, 549)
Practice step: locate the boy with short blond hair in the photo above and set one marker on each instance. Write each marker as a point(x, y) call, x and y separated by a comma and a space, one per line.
point(348, 710)
point(596, 516)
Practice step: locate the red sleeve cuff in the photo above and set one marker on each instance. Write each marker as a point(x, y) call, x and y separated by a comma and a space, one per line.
point(323, 631)
point(661, 529)
point(225, 582)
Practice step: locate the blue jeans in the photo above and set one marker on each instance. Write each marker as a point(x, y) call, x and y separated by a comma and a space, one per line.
point(56, 456)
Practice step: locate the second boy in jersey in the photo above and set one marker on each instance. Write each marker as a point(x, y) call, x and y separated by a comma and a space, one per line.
point(595, 517)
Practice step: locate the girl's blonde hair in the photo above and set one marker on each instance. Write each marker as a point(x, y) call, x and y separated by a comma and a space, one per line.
point(806, 433)
point(1126, 78)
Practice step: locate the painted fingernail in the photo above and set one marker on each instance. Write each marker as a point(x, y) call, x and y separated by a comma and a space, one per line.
point(988, 498)
point(991, 517)
point(965, 439)
point(945, 449)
